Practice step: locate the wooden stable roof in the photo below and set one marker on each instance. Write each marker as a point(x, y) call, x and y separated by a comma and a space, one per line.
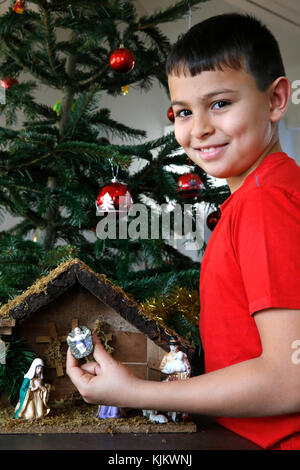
point(60, 280)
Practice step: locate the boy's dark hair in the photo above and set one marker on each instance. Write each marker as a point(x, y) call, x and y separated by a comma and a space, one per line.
point(234, 40)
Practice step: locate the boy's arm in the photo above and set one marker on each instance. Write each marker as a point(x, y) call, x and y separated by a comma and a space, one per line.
point(263, 386)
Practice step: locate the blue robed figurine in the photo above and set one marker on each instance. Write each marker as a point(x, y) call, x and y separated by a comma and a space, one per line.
point(106, 412)
point(33, 395)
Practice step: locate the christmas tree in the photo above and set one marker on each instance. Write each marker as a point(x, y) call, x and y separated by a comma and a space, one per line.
point(54, 159)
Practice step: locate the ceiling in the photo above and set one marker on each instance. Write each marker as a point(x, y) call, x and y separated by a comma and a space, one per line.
point(282, 17)
point(282, 12)
point(286, 10)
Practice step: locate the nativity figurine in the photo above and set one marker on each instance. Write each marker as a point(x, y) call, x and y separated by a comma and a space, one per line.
point(106, 412)
point(80, 342)
point(176, 366)
point(34, 394)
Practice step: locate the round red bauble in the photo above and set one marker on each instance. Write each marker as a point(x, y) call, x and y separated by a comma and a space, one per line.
point(189, 185)
point(114, 197)
point(7, 82)
point(122, 60)
point(170, 114)
point(212, 219)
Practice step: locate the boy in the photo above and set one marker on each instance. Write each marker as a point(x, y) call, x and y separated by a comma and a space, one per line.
point(229, 91)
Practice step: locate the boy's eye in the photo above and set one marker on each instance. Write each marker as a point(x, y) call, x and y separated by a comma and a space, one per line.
point(182, 113)
point(220, 104)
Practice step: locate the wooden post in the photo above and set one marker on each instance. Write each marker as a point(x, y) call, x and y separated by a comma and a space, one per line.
point(6, 326)
point(54, 336)
point(47, 339)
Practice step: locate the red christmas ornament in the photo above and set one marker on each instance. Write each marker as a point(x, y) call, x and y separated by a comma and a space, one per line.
point(114, 197)
point(19, 6)
point(122, 60)
point(170, 114)
point(7, 82)
point(212, 219)
point(189, 185)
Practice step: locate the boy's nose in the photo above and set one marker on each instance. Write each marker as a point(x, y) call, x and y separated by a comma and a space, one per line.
point(202, 127)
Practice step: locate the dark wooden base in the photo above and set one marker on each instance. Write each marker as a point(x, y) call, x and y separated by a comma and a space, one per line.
point(209, 437)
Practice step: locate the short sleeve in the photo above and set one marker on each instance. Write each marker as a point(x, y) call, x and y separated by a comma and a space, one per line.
point(266, 239)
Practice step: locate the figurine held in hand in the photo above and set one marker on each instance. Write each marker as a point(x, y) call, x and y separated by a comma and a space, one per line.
point(80, 342)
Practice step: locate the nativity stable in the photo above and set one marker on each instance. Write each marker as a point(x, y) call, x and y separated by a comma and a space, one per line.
point(73, 295)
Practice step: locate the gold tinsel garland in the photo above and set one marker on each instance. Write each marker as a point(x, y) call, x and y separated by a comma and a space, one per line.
point(180, 301)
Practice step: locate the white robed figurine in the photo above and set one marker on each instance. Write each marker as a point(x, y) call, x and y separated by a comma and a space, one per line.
point(33, 398)
point(176, 366)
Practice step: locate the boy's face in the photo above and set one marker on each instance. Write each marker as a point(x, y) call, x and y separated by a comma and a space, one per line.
point(222, 121)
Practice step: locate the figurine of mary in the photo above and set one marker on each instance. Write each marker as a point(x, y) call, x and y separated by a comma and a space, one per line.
point(34, 394)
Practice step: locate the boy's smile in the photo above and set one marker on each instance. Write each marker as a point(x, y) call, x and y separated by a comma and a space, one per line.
point(223, 122)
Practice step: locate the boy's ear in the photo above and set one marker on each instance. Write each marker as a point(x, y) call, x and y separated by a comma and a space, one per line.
point(280, 92)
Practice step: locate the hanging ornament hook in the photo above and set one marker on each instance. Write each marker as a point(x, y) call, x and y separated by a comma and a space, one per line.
point(71, 11)
point(190, 166)
point(113, 171)
point(189, 18)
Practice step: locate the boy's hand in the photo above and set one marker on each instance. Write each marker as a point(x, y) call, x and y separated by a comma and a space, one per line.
point(105, 381)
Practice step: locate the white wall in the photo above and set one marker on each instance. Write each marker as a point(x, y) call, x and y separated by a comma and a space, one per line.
point(290, 140)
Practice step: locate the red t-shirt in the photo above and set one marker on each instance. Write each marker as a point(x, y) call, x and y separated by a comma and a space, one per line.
point(252, 262)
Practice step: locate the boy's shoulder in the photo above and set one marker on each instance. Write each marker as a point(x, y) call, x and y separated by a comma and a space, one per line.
point(277, 173)
point(273, 186)
point(277, 170)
